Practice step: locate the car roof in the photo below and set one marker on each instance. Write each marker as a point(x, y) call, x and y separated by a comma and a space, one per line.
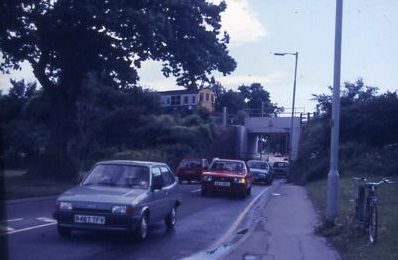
point(131, 162)
point(257, 161)
point(229, 160)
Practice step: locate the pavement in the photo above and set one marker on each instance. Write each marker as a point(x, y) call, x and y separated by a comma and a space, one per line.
point(283, 230)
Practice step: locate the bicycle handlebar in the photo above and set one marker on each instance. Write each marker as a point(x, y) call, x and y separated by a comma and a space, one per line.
point(366, 181)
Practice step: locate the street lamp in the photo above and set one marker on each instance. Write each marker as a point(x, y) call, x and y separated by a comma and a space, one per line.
point(333, 175)
point(293, 99)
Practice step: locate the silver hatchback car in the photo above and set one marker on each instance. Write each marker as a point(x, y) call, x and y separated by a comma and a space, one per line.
point(122, 196)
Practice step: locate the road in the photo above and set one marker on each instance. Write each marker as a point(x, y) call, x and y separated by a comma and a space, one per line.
point(203, 225)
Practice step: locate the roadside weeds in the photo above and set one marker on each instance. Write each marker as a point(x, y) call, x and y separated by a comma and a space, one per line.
point(349, 239)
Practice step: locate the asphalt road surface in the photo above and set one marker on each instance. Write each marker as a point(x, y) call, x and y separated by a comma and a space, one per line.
point(203, 224)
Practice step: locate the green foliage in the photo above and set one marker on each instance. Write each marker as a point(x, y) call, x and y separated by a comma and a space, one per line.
point(171, 154)
point(257, 98)
point(368, 139)
point(232, 100)
point(23, 126)
point(65, 41)
point(347, 237)
point(253, 98)
point(110, 123)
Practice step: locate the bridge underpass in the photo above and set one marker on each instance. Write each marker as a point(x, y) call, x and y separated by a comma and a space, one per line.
point(250, 137)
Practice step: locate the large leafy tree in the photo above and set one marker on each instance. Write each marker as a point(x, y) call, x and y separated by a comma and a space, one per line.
point(64, 40)
point(257, 98)
point(232, 100)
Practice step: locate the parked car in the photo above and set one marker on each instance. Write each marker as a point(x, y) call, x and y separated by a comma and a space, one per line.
point(120, 196)
point(280, 169)
point(261, 171)
point(230, 176)
point(191, 169)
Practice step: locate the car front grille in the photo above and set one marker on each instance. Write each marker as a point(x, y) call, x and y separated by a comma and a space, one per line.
point(92, 210)
point(218, 178)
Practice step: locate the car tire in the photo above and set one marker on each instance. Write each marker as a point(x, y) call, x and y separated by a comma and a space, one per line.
point(203, 193)
point(243, 194)
point(171, 218)
point(64, 232)
point(142, 230)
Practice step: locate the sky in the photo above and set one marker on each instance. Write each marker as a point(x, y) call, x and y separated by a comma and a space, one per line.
point(259, 28)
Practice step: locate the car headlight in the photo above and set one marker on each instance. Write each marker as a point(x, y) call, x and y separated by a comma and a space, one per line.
point(240, 180)
point(207, 178)
point(122, 209)
point(63, 205)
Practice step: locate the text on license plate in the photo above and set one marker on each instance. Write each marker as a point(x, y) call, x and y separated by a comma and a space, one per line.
point(222, 183)
point(90, 219)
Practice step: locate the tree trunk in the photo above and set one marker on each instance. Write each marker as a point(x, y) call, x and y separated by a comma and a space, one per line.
point(57, 162)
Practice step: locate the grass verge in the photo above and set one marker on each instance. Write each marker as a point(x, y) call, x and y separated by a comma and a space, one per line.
point(349, 239)
point(19, 186)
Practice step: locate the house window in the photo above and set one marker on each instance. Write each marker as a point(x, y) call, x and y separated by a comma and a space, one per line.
point(201, 98)
point(207, 97)
point(175, 100)
point(193, 99)
point(185, 100)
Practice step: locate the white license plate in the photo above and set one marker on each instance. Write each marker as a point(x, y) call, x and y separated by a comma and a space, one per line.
point(90, 219)
point(222, 183)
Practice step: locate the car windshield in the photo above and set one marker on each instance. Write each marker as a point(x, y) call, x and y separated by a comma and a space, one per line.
point(227, 166)
point(133, 176)
point(190, 164)
point(280, 164)
point(258, 165)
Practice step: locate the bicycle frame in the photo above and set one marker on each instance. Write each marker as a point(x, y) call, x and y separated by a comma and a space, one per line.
point(366, 206)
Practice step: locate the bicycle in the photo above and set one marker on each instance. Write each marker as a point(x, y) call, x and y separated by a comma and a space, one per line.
point(366, 206)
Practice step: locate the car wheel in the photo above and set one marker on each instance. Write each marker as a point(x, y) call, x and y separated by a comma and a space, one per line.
point(64, 232)
point(203, 193)
point(142, 229)
point(243, 194)
point(249, 191)
point(171, 218)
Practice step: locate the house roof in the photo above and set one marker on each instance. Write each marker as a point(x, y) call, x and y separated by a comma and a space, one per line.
point(179, 92)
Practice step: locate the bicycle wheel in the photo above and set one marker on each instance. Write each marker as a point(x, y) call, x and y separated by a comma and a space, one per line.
point(372, 222)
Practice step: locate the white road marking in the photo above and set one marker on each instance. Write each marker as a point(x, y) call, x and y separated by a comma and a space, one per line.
point(27, 229)
point(48, 220)
point(4, 230)
point(222, 239)
point(11, 220)
point(195, 190)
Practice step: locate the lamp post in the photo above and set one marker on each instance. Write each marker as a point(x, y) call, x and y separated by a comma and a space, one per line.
point(333, 175)
point(293, 100)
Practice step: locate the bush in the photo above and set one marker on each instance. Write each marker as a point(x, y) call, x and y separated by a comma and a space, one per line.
point(170, 154)
point(355, 159)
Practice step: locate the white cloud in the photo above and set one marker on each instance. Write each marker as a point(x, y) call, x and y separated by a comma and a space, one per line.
point(241, 22)
point(233, 82)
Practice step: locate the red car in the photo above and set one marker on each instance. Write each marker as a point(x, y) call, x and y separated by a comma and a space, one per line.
point(229, 176)
point(191, 169)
